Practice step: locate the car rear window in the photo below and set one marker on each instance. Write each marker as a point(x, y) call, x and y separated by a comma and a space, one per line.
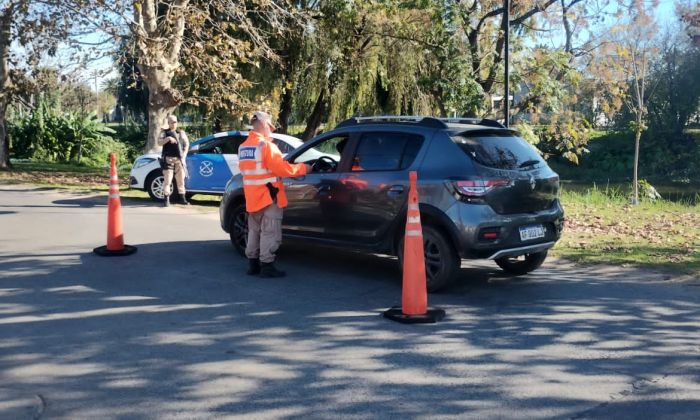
point(497, 150)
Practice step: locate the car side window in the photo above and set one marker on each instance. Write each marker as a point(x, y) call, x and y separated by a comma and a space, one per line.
point(378, 151)
point(213, 146)
point(230, 144)
point(332, 148)
point(284, 147)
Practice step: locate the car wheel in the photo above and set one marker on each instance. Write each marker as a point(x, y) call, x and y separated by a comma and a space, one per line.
point(238, 228)
point(155, 184)
point(522, 264)
point(441, 260)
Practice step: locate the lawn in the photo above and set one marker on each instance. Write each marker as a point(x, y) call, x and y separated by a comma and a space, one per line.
point(601, 227)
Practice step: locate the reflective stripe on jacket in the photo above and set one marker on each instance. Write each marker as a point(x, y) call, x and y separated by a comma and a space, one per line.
point(261, 162)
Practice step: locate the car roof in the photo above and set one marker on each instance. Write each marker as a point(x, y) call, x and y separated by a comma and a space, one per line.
point(451, 125)
point(291, 140)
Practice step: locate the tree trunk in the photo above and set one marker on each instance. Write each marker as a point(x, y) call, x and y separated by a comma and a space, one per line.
point(158, 59)
point(314, 120)
point(285, 111)
point(4, 140)
point(162, 100)
point(635, 180)
point(156, 122)
point(5, 34)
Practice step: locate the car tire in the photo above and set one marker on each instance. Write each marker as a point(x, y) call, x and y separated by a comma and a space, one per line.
point(523, 264)
point(238, 228)
point(154, 185)
point(441, 260)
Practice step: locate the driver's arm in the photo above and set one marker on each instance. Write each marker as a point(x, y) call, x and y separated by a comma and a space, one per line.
point(273, 160)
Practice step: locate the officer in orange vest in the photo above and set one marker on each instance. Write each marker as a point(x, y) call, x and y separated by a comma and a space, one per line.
point(262, 167)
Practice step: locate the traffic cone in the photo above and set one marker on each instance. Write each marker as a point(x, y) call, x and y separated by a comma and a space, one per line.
point(115, 236)
point(414, 298)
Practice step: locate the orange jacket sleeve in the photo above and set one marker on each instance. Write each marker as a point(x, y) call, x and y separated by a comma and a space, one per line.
point(273, 160)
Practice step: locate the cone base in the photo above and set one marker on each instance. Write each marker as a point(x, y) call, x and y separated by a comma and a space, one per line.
point(104, 252)
point(431, 316)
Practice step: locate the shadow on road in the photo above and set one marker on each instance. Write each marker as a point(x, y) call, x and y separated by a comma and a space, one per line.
point(179, 331)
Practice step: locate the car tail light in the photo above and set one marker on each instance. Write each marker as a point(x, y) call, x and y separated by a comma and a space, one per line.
point(479, 187)
point(489, 234)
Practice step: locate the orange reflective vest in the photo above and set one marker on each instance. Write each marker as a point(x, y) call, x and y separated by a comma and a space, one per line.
point(261, 162)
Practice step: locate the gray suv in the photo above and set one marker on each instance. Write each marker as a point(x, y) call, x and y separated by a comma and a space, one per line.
point(484, 193)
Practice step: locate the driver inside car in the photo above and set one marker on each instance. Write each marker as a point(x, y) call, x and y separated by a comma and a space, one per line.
point(355, 161)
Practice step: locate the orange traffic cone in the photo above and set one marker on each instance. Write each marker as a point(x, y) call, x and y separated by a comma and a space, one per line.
point(115, 236)
point(414, 299)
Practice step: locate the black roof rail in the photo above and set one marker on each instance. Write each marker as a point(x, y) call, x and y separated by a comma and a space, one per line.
point(416, 119)
point(478, 121)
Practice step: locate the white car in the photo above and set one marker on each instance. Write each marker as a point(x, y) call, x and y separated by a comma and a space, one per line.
point(211, 162)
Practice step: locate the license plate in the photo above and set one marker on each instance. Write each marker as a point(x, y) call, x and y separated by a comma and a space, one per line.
point(528, 233)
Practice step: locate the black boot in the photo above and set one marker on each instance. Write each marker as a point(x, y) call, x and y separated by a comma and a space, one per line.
point(166, 202)
point(183, 200)
point(269, 270)
point(253, 266)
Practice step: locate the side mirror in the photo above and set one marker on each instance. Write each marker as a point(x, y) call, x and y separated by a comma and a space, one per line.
point(194, 149)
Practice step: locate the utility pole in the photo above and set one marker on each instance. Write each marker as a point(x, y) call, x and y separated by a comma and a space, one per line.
point(506, 96)
point(97, 94)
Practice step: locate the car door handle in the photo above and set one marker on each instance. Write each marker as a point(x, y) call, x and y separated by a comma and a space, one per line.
point(395, 190)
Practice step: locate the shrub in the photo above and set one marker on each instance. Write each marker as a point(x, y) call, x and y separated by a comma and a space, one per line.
point(48, 135)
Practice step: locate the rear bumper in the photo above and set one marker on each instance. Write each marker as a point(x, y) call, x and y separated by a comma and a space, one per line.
point(514, 252)
point(473, 218)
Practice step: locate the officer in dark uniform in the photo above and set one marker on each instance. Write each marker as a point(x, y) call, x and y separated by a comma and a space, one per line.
point(175, 146)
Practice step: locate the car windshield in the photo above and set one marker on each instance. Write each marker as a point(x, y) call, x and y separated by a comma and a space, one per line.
point(497, 150)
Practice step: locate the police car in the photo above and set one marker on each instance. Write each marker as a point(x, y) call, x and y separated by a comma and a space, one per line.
point(211, 162)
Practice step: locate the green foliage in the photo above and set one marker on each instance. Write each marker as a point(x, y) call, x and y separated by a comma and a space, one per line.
point(663, 158)
point(647, 191)
point(132, 136)
point(527, 132)
point(50, 136)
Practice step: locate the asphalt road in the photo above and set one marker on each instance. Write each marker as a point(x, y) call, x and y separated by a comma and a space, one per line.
point(179, 331)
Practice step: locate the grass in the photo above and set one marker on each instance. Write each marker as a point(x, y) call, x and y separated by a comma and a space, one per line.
point(602, 227)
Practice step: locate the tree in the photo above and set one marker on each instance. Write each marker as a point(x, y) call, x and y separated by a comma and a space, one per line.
point(675, 76)
point(38, 29)
point(186, 51)
point(625, 69)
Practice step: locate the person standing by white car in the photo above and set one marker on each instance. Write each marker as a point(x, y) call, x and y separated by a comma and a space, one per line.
point(175, 146)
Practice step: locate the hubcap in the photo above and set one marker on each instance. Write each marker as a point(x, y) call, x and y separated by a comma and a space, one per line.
point(433, 259)
point(157, 187)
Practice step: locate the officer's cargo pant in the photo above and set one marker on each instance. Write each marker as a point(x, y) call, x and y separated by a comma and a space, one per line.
point(173, 164)
point(264, 233)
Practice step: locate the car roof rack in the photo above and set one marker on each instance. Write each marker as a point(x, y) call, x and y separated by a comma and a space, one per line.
point(430, 122)
point(476, 121)
point(379, 119)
